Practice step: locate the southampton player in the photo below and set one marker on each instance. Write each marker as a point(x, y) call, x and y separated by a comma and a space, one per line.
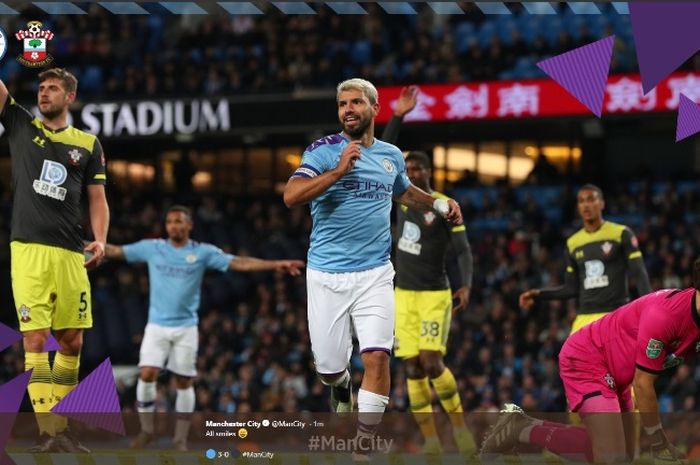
point(53, 164)
point(350, 179)
point(600, 257)
point(599, 365)
point(424, 307)
point(176, 268)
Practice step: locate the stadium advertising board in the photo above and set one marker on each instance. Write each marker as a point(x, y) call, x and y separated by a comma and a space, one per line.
point(151, 117)
point(436, 103)
point(536, 98)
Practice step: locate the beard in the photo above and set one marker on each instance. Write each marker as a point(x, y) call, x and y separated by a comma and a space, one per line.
point(359, 130)
point(52, 112)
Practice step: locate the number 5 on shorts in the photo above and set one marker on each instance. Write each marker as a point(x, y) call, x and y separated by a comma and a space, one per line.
point(83, 306)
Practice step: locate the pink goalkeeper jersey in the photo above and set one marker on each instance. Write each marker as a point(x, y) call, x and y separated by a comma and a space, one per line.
point(655, 332)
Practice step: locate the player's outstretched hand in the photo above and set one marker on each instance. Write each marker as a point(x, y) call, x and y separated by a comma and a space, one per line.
point(349, 157)
point(292, 267)
point(96, 251)
point(527, 298)
point(407, 101)
point(461, 296)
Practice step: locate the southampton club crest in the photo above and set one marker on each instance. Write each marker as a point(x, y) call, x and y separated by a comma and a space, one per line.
point(75, 156)
point(25, 314)
point(34, 40)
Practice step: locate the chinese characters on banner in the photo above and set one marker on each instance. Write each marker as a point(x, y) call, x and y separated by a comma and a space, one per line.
point(536, 98)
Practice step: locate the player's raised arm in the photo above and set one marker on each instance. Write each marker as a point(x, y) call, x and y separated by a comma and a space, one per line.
point(418, 199)
point(250, 264)
point(307, 182)
point(404, 105)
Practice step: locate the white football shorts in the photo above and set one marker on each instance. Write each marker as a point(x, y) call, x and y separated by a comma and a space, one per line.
point(177, 345)
point(364, 299)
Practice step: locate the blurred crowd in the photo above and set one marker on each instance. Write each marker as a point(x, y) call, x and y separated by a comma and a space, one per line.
point(161, 54)
point(254, 351)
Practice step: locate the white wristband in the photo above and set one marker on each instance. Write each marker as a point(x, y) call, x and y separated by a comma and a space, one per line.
point(441, 206)
point(649, 430)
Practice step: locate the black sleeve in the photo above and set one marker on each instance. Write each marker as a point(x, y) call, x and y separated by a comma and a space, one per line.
point(635, 262)
point(461, 248)
point(391, 131)
point(570, 287)
point(96, 169)
point(13, 113)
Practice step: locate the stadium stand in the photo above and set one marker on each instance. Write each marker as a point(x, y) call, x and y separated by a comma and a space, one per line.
point(164, 55)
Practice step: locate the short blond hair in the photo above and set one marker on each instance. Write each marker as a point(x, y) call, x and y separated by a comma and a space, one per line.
point(363, 85)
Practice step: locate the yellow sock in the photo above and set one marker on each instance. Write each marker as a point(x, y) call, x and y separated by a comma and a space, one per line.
point(420, 398)
point(39, 389)
point(446, 388)
point(65, 378)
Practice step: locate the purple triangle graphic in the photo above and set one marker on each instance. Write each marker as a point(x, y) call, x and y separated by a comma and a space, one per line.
point(95, 401)
point(8, 336)
point(688, 122)
point(51, 344)
point(11, 395)
point(583, 72)
point(665, 35)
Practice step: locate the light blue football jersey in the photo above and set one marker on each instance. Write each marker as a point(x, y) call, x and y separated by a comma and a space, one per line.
point(351, 220)
point(175, 275)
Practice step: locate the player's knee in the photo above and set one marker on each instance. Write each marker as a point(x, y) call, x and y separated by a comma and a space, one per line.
point(431, 363)
point(375, 360)
point(70, 340)
point(183, 382)
point(414, 369)
point(34, 341)
point(149, 374)
point(435, 370)
point(71, 347)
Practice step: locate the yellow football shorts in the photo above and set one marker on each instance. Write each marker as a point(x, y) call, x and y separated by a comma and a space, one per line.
point(582, 320)
point(50, 287)
point(422, 321)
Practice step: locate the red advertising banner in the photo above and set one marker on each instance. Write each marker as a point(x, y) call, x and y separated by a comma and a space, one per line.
point(536, 98)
